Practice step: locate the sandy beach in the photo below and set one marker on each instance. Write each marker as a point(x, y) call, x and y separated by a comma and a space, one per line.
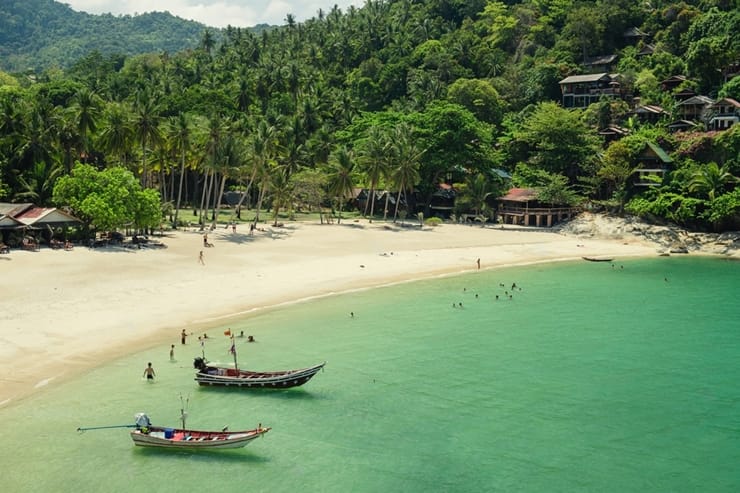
point(65, 312)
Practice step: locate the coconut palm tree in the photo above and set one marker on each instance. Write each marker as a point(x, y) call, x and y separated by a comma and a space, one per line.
point(282, 193)
point(146, 128)
point(341, 180)
point(374, 161)
point(117, 132)
point(180, 137)
point(86, 106)
point(406, 162)
point(710, 179)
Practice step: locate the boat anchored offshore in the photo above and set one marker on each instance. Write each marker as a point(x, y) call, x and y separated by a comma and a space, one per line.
point(224, 376)
point(146, 435)
point(209, 375)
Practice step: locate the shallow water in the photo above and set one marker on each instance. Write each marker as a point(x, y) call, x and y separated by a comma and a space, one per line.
point(592, 377)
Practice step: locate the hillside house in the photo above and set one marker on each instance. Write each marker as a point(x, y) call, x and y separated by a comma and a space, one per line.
point(694, 108)
point(723, 114)
point(652, 165)
point(579, 91)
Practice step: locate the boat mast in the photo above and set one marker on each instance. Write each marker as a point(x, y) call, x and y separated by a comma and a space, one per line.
point(233, 351)
point(183, 410)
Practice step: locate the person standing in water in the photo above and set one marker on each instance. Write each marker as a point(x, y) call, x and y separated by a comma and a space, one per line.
point(149, 372)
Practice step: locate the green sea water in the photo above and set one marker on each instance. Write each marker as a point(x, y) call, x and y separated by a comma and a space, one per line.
point(591, 377)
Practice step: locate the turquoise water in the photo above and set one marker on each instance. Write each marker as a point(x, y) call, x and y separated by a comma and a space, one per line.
point(590, 378)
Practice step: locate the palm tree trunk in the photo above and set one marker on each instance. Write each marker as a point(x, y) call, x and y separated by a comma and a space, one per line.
point(201, 213)
point(398, 202)
point(179, 189)
point(218, 199)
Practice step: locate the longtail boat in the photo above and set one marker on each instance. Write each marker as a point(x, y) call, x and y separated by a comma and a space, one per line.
point(146, 435)
point(597, 259)
point(210, 375)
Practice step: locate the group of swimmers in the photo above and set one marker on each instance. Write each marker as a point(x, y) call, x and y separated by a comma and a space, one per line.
point(507, 294)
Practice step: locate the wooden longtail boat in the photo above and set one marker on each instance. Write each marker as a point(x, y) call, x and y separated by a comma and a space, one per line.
point(157, 436)
point(595, 259)
point(146, 435)
point(209, 375)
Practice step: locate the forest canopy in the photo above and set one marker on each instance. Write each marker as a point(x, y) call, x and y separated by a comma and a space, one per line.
point(397, 98)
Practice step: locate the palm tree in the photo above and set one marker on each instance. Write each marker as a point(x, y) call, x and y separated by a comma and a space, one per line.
point(147, 131)
point(282, 193)
point(407, 158)
point(711, 179)
point(341, 166)
point(474, 194)
point(117, 133)
point(374, 160)
point(86, 105)
point(180, 134)
point(259, 156)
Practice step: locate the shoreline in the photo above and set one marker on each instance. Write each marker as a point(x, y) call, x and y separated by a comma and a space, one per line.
point(67, 312)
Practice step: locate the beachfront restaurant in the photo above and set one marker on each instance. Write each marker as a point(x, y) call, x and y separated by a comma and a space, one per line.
point(25, 225)
point(521, 207)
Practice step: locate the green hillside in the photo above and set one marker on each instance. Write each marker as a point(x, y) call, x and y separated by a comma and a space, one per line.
point(39, 34)
point(620, 105)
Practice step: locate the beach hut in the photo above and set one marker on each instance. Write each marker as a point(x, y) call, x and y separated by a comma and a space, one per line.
point(520, 206)
point(27, 220)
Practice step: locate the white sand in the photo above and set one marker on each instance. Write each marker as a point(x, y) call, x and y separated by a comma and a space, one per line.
point(64, 312)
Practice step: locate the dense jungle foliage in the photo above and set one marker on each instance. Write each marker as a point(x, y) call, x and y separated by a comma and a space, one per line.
point(397, 96)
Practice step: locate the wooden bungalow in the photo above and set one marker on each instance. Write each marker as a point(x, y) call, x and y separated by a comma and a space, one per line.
point(613, 132)
point(653, 164)
point(694, 108)
point(579, 91)
point(521, 207)
point(724, 114)
point(34, 221)
point(649, 113)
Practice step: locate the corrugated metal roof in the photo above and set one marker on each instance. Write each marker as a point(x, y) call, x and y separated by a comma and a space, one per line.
point(696, 100)
point(520, 195)
point(575, 79)
point(660, 152)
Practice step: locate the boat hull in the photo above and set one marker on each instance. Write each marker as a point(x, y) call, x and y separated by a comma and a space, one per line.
point(594, 259)
point(193, 439)
point(228, 377)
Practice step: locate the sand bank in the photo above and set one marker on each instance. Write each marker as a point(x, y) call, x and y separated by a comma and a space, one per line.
point(63, 312)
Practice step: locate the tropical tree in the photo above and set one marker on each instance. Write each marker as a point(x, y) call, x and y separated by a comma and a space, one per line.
point(341, 180)
point(117, 132)
point(180, 137)
point(374, 155)
point(86, 106)
point(146, 129)
point(711, 180)
point(406, 159)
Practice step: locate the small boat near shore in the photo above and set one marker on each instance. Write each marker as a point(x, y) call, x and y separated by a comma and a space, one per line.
point(146, 435)
point(211, 375)
point(597, 259)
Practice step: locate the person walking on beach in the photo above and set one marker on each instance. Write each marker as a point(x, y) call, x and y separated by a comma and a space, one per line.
point(183, 335)
point(478, 263)
point(200, 258)
point(172, 353)
point(149, 372)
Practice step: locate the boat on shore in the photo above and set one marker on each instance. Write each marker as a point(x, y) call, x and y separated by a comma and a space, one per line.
point(211, 375)
point(146, 435)
point(597, 259)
